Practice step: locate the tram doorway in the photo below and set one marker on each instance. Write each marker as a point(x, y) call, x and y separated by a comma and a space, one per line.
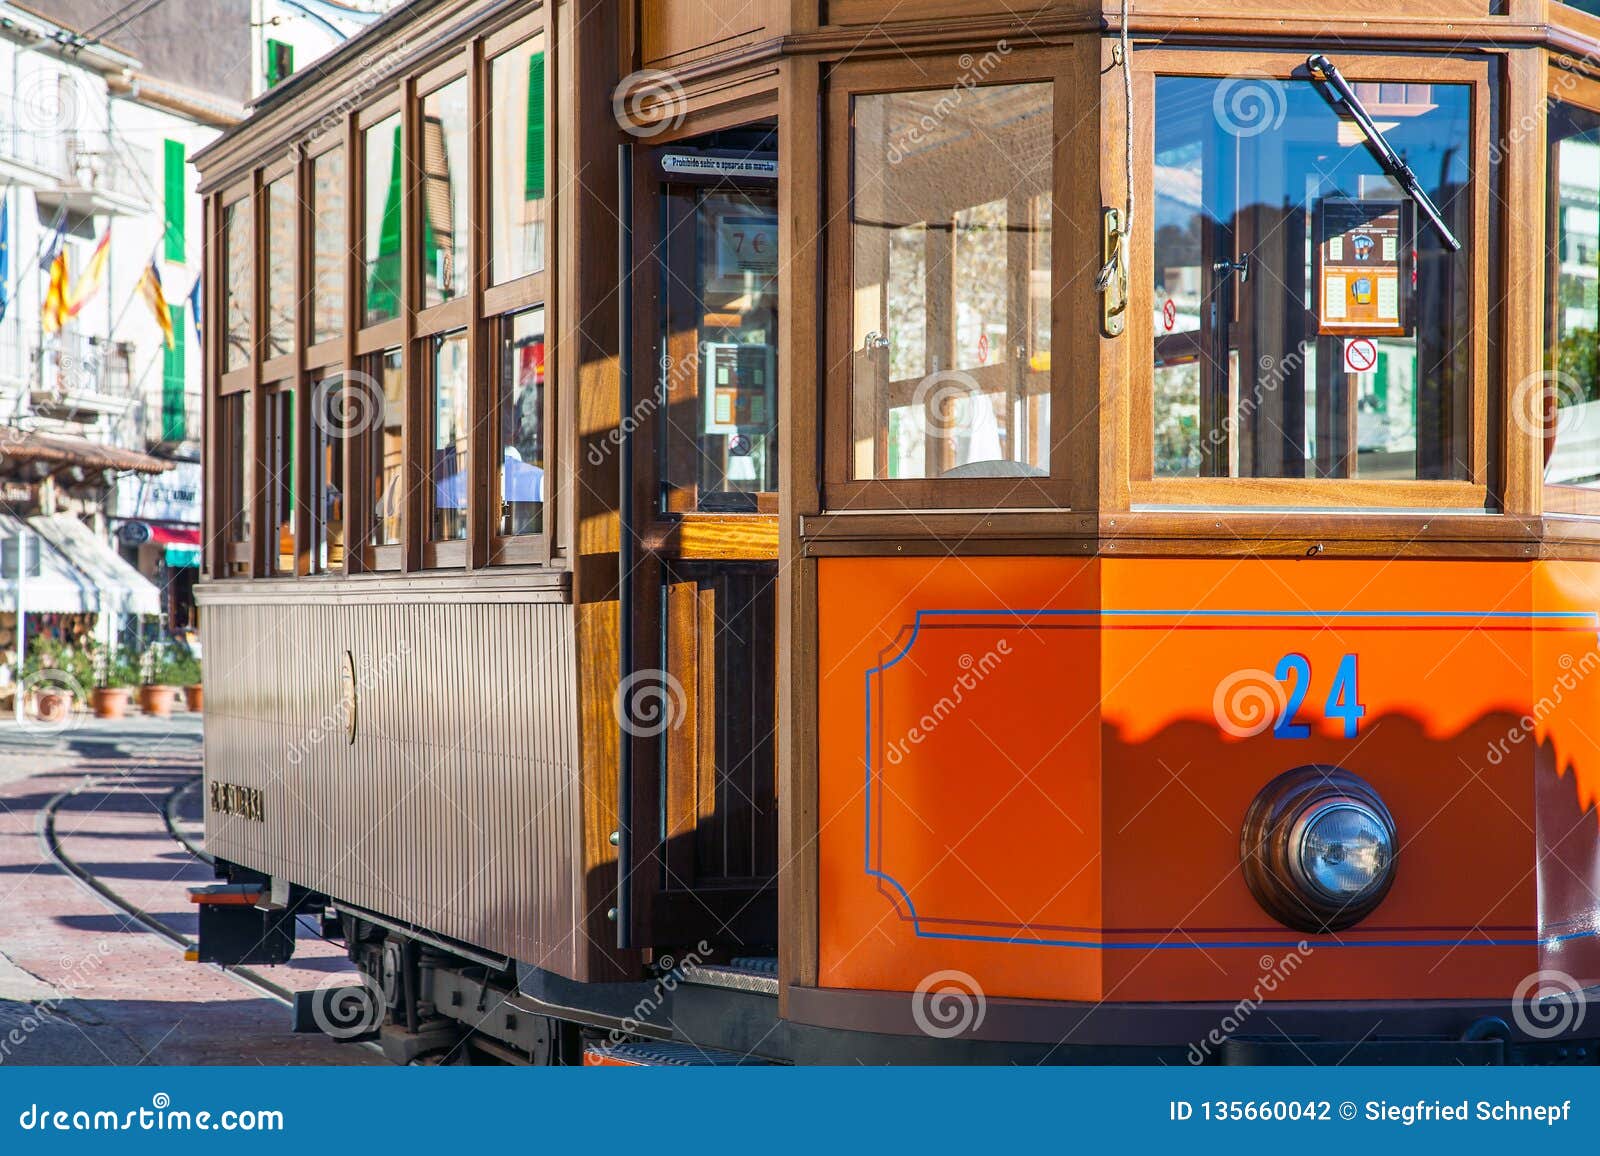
point(704, 833)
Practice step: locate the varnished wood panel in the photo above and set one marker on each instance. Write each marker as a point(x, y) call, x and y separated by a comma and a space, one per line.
point(676, 31)
point(457, 806)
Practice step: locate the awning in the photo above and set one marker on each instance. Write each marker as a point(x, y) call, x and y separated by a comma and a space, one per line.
point(50, 583)
point(19, 447)
point(175, 535)
point(123, 587)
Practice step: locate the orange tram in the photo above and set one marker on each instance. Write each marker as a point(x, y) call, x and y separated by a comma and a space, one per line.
point(837, 531)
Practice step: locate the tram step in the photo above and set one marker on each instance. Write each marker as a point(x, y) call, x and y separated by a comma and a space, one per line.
point(664, 1055)
point(752, 973)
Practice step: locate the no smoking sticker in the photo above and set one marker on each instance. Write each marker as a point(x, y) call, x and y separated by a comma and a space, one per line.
point(1169, 314)
point(1360, 355)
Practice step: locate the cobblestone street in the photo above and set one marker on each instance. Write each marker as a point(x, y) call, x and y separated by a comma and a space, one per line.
point(82, 982)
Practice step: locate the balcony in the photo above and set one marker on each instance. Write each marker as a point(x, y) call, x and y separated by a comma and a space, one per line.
point(93, 170)
point(77, 378)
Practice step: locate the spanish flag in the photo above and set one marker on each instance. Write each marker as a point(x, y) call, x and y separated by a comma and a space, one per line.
point(94, 277)
point(55, 296)
point(149, 288)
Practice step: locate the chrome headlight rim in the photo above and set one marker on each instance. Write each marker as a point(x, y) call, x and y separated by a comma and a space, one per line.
point(1272, 838)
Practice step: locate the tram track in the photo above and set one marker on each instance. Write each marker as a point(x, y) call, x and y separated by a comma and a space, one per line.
point(51, 844)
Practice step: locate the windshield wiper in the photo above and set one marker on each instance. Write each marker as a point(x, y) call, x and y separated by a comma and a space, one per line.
point(1338, 91)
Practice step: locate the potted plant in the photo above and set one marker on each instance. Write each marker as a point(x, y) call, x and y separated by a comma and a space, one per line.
point(116, 674)
point(184, 671)
point(53, 675)
point(156, 690)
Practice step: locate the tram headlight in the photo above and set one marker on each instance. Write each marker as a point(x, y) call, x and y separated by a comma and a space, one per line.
point(1318, 849)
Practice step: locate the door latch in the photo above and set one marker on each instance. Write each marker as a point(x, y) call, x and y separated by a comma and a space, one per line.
point(1113, 280)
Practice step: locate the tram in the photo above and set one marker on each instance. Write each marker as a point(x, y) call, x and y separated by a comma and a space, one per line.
point(840, 531)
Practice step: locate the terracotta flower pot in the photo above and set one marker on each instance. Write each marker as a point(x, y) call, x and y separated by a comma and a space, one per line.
point(109, 701)
point(194, 697)
point(52, 706)
point(157, 700)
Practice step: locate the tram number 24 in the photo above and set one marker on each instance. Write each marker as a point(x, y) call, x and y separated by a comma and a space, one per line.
point(1293, 672)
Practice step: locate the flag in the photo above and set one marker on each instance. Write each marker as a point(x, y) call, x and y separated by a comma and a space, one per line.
point(194, 312)
point(93, 278)
point(5, 252)
point(55, 296)
point(149, 288)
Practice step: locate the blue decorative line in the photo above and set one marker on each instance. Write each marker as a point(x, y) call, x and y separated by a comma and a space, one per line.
point(916, 628)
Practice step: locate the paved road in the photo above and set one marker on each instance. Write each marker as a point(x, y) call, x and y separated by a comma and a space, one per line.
point(81, 983)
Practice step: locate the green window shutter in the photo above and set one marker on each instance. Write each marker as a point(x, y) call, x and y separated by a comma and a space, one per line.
point(176, 196)
point(533, 180)
point(280, 61)
point(173, 426)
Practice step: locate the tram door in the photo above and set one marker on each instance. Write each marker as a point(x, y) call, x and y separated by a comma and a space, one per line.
point(705, 259)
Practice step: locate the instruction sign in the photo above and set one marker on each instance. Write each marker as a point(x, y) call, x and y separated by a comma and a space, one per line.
point(1361, 249)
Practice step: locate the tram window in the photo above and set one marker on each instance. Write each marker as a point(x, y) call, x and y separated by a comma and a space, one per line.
point(951, 232)
point(448, 479)
point(1308, 322)
point(517, 160)
point(281, 208)
point(328, 246)
point(329, 427)
point(386, 447)
point(382, 178)
point(521, 423)
point(280, 478)
point(719, 369)
point(233, 454)
point(444, 193)
point(239, 243)
point(1570, 408)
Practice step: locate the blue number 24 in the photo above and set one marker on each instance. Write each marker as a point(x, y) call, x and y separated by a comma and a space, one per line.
point(1343, 700)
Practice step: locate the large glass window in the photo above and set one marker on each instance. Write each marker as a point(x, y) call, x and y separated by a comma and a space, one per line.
point(950, 231)
point(1309, 322)
point(382, 180)
point(328, 245)
point(521, 423)
point(386, 446)
point(281, 209)
point(280, 478)
point(1568, 405)
point(232, 456)
point(517, 161)
point(239, 256)
point(448, 478)
point(445, 161)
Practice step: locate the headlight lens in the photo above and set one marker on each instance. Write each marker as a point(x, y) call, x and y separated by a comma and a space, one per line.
point(1344, 849)
point(1318, 849)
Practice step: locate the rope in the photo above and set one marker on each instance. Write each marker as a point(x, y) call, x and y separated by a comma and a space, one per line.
point(1109, 269)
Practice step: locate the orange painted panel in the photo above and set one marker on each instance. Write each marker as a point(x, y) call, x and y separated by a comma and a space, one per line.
point(1034, 771)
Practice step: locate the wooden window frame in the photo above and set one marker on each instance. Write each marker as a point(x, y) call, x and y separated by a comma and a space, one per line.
point(1204, 494)
point(1581, 92)
point(382, 333)
point(285, 364)
point(390, 557)
point(456, 312)
point(322, 353)
point(443, 553)
point(517, 293)
point(516, 549)
point(1074, 448)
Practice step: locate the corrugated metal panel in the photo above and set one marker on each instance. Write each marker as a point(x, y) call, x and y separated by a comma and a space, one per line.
point(455, 808)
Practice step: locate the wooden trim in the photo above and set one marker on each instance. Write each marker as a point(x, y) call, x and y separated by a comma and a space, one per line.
point(453, 314)
point(526, 585)
point(325, 354)
point(238, 381)
point(515, 296)
point(357, 486)
point(386, 106)
point(1074, 439)
point(513, 34)
point(280, 368)
point(1304, 492)
point(446, 72)
point(445, 555)
point(385, 335)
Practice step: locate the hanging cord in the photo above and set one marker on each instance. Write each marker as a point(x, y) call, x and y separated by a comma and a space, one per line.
point(1118, 255)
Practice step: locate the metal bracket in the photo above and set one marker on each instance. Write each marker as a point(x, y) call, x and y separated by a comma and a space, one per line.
point(1114, 296)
